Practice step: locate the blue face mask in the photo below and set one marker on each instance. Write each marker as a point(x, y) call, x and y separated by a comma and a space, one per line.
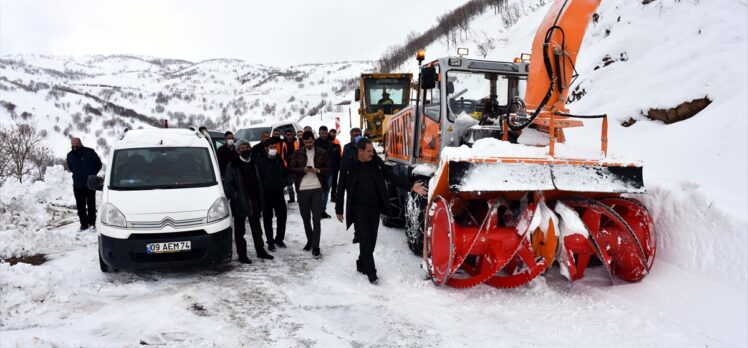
point(357, 139)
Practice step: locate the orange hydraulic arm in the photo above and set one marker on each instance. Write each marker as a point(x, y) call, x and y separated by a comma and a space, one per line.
point(554, 53)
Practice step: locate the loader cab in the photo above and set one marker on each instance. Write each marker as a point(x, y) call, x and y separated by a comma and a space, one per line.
point(381, 96)
point(465, 93)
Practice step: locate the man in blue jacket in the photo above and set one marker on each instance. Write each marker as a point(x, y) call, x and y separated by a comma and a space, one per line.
point(82, 162)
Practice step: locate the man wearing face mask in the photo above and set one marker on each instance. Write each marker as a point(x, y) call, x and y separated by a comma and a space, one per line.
point(227, 152)
point(242, 188)
point(82, 162)
point(273, 178)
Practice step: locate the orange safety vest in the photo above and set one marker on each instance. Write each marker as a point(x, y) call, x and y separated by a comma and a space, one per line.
point(337, 142)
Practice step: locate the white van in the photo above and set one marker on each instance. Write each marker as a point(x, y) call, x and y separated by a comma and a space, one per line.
point(163, 202)
point(284, 126)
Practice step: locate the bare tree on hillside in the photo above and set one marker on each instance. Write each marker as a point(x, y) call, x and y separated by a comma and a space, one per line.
point(21, 144)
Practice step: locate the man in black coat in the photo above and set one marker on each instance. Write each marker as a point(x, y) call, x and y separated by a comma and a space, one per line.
point(363, 179)
point(292, 144)
point(273, 178)
point(82, 162)
point(335, 157)
point(323, 143)
point(227, 152)
point(242, 188)
point(349, 150)
point(259, 147)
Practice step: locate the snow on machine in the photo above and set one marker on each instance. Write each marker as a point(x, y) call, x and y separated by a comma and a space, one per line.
point(517, 198)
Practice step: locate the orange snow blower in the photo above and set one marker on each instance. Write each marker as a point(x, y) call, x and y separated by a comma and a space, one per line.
point(520, 199)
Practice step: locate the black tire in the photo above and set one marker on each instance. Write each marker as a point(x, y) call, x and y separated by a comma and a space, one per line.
point(397, 219)
point(414, 221)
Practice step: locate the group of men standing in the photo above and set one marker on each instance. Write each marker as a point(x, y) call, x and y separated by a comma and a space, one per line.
point(311, 170)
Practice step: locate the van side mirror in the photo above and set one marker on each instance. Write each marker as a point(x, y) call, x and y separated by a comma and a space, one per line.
point(95, 183)
point(357, 94)
point(428, 78)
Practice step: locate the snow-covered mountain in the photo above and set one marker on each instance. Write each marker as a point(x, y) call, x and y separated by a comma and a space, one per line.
point(638, 56)
point(95, 97)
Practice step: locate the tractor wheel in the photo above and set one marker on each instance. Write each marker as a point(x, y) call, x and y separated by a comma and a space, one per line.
point(414, 220)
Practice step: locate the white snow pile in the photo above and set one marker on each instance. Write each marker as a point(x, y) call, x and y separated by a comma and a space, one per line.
point(30, 211)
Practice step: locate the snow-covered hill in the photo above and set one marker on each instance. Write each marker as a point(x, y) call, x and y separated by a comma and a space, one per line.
point(663, 53)
point(95, 97)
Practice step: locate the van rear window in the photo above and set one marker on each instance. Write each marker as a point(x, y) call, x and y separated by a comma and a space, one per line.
point(161, 168)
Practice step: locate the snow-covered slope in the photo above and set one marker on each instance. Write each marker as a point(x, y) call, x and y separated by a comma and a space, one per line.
point(95, 97)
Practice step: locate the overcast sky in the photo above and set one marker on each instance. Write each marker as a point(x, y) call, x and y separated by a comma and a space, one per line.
point(273, 32)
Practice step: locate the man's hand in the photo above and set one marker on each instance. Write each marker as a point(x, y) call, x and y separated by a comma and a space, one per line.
point(340, 217)
point(419, 189)
point(311, 170)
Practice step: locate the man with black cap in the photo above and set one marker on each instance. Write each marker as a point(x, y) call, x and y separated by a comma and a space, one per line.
point(242, 188)
point(273, 178)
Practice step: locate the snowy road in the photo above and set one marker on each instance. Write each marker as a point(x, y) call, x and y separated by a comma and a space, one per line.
point(295, 300)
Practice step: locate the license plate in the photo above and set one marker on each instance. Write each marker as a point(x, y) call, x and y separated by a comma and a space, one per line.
point(168, 247)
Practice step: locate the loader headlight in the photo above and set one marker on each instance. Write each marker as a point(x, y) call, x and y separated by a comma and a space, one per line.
point(111, 216)
point(219, 210)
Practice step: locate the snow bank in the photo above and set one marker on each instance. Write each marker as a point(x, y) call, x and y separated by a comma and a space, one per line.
point(29, 211)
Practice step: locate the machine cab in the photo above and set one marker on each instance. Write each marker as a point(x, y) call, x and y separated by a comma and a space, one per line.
point(456, 94)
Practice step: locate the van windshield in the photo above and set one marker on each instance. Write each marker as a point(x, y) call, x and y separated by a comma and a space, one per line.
point(161, 168)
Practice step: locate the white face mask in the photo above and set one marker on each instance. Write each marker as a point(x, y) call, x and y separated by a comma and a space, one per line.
point(230, 142)
point(272, 152)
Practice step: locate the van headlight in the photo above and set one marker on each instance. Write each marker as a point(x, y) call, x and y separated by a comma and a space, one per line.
point(111, 216)
point(219, 210)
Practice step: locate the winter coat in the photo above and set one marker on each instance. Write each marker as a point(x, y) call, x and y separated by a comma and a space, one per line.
point(349, 151)
point(82, 164)
point(321, 162)
point(335, 154)
point(243, 200)
point(225, 155)
point(349, 179)
point(291, 146)
point(273, 175)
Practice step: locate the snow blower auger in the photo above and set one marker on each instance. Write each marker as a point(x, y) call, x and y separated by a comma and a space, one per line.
point(516, 200)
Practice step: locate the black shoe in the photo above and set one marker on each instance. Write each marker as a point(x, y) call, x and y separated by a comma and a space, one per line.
point(326, 215)
point(271, 247)
point(245, 260)
point(373, 277)
point(316, 253)
point(308, 247)
point(264, 255)
point(291, 201)
point(280, 244)
point(359, 268)
point(84, 227)
point(355, 238)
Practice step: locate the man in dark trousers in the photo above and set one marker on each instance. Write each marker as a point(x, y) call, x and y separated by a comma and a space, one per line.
point(273, 177)
point(362, 178)
point(291, 146)
point(310, 168)
point(336, 151)
point(226, 153)
point(82, 162)
point(242, 187)
point(323, 143)
point(349, 152)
